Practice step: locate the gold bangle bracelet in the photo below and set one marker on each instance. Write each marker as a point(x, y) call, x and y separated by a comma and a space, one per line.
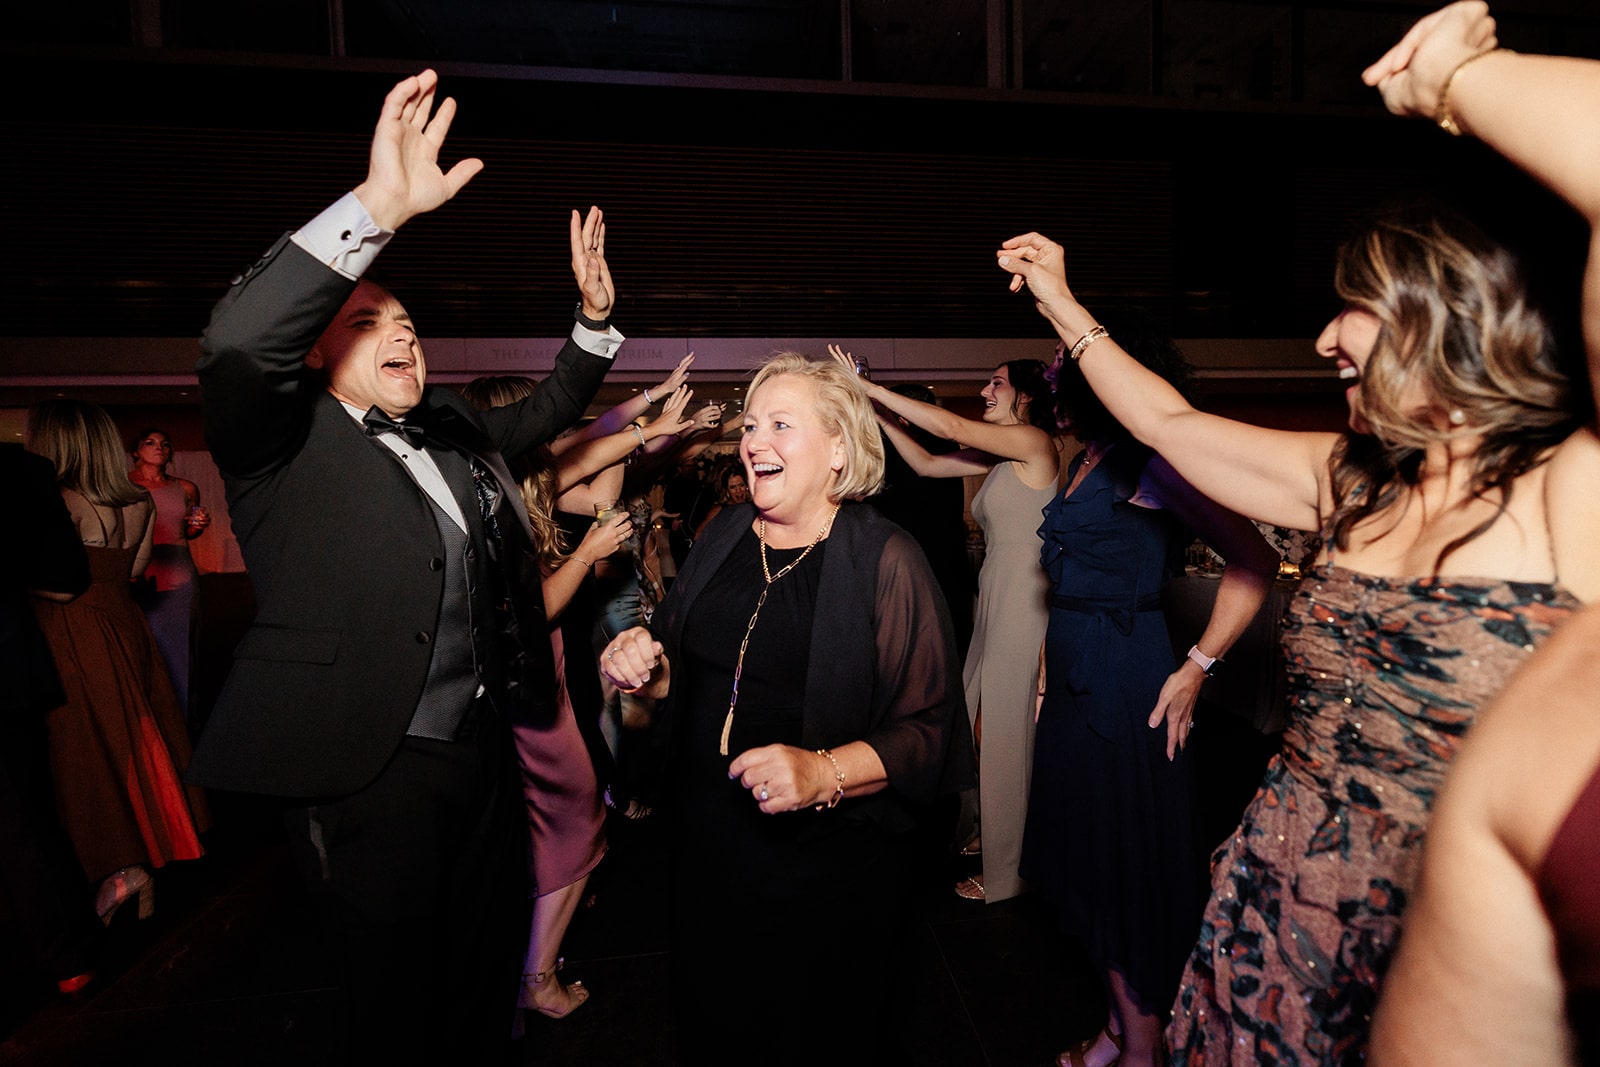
point(1086, 340)
point(1446, 120)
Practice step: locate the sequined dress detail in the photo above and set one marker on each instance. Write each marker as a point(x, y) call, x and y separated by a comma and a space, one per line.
point(1385, 677)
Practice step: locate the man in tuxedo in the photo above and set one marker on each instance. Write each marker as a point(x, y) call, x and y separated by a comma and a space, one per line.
point(400, 621)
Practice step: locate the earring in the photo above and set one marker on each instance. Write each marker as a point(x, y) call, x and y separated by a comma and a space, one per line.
point(1458, 417)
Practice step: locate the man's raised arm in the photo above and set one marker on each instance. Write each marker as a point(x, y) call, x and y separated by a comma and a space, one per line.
point(254, 349)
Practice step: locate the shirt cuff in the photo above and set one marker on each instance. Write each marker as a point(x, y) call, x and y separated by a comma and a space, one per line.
point(344, 237)
point(602, 343)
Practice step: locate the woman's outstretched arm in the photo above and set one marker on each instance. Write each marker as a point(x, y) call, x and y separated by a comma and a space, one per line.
point(1022, 443)
point(599, 541)
point(1277, 476)
point(957, 464)
point(615, 419)
point(591, 456)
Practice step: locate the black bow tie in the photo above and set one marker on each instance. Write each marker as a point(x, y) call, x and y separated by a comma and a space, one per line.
point(377, 423)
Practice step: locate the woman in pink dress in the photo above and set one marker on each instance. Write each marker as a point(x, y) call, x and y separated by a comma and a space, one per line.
point(565, 820)
point(168, 594)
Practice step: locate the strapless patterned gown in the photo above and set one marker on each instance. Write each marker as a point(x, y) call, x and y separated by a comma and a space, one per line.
point(1385, 677)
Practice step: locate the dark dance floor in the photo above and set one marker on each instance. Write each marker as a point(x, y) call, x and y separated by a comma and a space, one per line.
point(229, 970)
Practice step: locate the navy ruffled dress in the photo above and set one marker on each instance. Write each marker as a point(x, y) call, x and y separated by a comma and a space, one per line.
point(1110, 837)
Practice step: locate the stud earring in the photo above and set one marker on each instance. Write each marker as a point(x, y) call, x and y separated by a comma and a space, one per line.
point(1458, 417)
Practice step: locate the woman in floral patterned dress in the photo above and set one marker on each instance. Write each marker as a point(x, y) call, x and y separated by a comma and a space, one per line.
point(1504, 928)
point(1458, 517)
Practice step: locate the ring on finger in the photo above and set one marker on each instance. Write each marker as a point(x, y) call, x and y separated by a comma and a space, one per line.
point(763, 795)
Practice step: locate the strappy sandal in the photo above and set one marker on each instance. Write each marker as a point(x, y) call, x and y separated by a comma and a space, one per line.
point(528, 998)
point(1076, 1055)
point(633, 811)
point(970, 888)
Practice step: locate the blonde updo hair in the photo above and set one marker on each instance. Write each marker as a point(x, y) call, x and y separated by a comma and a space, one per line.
point(844, 409)
point(1457, 328)
point(82, 441)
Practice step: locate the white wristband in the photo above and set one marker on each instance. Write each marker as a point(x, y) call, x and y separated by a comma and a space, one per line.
point(1203, 661)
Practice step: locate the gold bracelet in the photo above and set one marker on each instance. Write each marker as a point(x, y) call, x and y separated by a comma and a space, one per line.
point(838, 792)
point(580, 559)
point(1086, 340)
point(1447, 122)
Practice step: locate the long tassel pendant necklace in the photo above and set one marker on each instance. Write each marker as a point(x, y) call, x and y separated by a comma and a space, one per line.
point(738, 667)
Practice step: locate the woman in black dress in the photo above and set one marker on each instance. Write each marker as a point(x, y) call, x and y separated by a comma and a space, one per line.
point(815, 712)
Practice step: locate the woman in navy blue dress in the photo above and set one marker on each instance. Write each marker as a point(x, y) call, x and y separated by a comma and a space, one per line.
point(1110, 839)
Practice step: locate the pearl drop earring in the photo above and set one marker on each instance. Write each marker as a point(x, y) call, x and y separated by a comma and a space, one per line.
point(1458, 417)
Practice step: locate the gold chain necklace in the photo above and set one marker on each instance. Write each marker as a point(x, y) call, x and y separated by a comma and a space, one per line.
point(738, 667)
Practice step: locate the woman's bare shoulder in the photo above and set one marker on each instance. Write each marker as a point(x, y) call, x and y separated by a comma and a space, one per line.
point(1572, 509)
point(1576, 457)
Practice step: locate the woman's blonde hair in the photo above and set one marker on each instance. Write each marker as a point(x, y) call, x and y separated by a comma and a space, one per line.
point(844, 409)
point(537, 471)
point(1456, 327)
point(82, 442)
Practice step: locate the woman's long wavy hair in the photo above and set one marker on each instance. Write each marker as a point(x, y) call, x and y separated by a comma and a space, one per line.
point(81, 440)
point(1456, 327)
point(537, 471)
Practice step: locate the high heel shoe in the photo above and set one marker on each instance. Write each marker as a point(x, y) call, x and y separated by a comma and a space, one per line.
point(122, 886)
point(633, 810)
point(74, 986)
point(1078, 1055)
point(533, 984)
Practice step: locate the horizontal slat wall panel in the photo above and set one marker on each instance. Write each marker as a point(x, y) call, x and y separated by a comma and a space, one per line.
point(120, 230)
point(132, 191)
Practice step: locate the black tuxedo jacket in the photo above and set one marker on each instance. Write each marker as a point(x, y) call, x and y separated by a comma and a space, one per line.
point(341, 544)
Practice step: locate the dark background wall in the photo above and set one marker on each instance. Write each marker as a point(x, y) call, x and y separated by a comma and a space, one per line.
point(768, 170)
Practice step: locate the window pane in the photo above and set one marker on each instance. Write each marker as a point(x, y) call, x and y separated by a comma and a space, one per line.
point(919, 42)
point(86, 22)
point(299, 27)
point(1226, 51)
point(784, 39)
point(1075, 47)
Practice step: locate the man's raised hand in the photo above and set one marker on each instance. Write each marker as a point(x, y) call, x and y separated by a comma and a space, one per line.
point(404, 178)
point(588, 236)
